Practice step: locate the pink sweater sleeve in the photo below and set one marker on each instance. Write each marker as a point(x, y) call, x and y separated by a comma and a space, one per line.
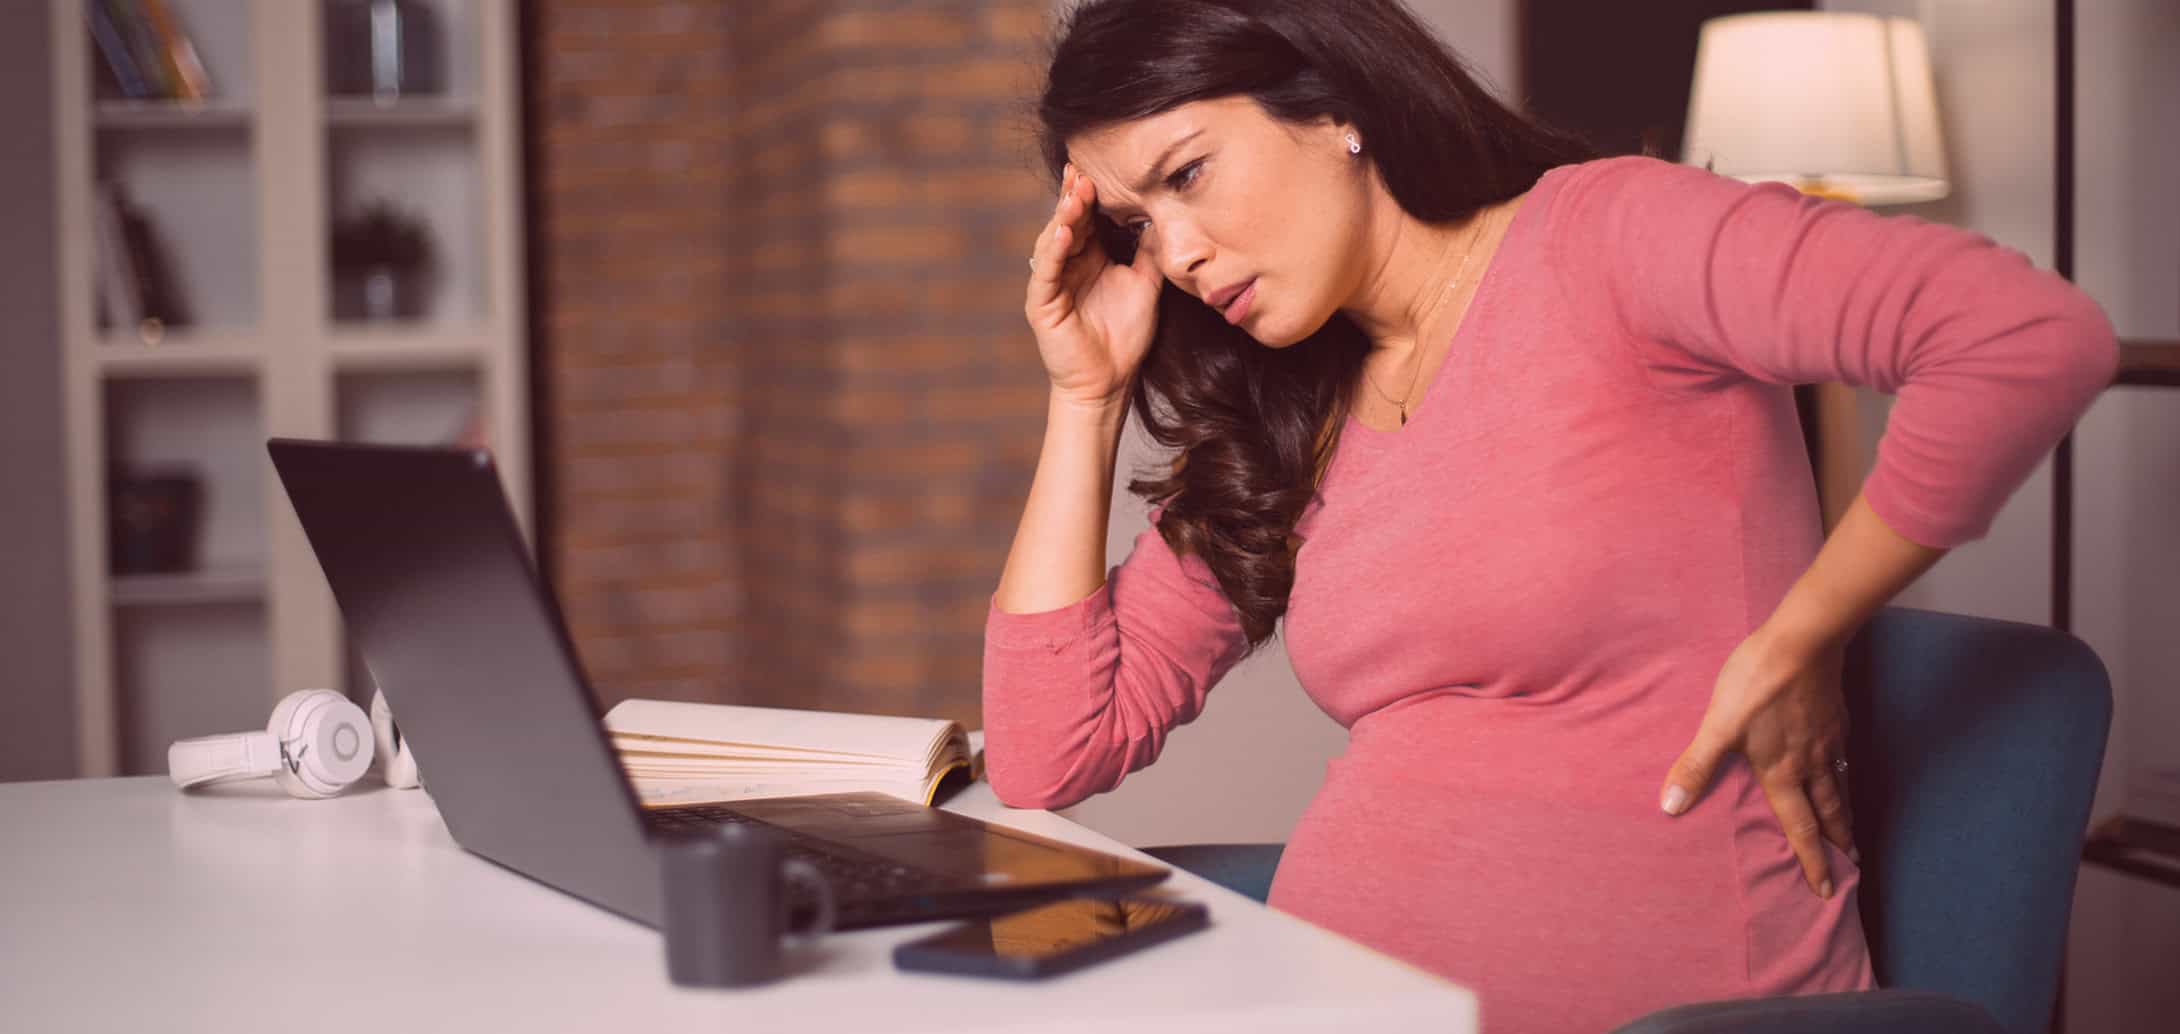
point(1714, 280)
point(1077, 697)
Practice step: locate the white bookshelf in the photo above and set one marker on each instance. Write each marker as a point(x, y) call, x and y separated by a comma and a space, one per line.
point(241, 190)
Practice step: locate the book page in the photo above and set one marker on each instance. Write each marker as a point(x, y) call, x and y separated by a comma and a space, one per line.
point(778, 732)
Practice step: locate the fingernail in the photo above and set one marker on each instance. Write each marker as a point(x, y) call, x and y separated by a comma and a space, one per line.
point(1676, 799)
point(1825, 891)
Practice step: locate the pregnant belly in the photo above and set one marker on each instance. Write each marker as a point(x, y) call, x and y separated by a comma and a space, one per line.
point(1566, 903)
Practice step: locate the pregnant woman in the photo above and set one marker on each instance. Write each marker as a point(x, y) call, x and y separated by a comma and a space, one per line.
point(1499, 433)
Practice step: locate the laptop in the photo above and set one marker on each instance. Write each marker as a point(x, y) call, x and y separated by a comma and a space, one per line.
point(436, 588)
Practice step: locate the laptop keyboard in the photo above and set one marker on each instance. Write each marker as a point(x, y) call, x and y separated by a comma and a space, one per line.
point(853, 874)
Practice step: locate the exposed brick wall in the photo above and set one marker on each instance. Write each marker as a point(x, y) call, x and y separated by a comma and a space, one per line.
point(793, 406)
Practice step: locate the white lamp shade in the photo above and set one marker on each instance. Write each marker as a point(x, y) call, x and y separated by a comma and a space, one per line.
point(1832, 102)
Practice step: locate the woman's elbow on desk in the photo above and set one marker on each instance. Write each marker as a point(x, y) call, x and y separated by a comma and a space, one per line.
point(1018, 786)
point(1031, 772)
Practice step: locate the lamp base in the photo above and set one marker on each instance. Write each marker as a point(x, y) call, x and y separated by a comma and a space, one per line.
point(1818, 186)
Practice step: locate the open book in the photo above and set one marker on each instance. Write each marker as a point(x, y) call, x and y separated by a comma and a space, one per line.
point(683, 753)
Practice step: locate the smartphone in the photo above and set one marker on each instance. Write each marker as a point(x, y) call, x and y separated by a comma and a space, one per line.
point(1054, 938)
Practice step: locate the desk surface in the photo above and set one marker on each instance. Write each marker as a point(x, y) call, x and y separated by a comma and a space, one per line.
point(129, 906)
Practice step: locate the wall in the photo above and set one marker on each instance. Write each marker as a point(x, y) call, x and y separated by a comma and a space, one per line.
point(37, 701)
point(793, 406)
point(1483, 32)
point(628, 156)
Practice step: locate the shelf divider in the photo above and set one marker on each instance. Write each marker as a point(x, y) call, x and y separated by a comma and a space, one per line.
point(213, 585)
point(403, 346)
point(209, 352)
point(406, 113)
point(130, 114)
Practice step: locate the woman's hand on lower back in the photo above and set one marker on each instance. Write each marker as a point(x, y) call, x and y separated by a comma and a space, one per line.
point(1779, 704)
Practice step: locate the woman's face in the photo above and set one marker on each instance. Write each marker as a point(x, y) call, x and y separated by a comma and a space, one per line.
point(1223, 194)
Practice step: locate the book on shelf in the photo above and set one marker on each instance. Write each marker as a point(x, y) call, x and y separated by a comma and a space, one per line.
point(113, 46)
point(185, 72)
point(118, 305)
point(687, 753)
point(136, 287)
point(147, 52)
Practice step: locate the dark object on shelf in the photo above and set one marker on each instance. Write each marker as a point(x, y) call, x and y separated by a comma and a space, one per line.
point(383, 48)
point(729, 905)
point(152, 518)
point(380, 259)
point(2137, 847)
point(139, 292)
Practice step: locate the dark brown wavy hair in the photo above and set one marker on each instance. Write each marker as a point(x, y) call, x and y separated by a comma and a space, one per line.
point(1254, 426)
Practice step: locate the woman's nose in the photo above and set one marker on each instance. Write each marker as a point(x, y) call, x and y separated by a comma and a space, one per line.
point(1181, 251)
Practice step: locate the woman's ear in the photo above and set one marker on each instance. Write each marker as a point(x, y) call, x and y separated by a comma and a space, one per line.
point(1346, 137)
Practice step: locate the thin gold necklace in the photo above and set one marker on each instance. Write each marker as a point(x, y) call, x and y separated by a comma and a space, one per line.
point(1458, 274)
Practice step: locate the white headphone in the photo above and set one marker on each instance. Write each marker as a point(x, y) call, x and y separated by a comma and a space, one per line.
point(316, 744)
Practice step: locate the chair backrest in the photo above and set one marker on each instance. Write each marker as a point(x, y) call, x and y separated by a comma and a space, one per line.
point(1975, 746)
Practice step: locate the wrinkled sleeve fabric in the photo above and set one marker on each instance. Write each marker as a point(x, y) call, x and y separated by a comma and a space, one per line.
point(1714, 281)
point(1077, 697)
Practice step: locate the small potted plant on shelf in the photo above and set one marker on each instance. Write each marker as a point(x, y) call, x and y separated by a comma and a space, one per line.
point(380, 258)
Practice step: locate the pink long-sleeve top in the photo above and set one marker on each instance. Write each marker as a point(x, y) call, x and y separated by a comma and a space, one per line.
point(1518, 603)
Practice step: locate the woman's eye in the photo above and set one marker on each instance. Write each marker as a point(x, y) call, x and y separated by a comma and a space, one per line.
point(1180, 180)
point(1184, 175)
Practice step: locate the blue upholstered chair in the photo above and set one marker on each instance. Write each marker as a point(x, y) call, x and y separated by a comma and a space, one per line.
point(1976, 746)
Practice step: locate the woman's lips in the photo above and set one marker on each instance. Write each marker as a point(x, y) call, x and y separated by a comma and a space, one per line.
point(1237, 309)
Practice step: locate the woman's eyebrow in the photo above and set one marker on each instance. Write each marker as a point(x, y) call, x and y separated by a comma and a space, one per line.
point(1150, 179)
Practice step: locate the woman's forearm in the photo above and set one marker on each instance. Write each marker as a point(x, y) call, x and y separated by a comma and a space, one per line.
point(1861, 567)
point(1058, 556)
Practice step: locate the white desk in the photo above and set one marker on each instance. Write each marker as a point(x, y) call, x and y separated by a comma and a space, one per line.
point(126, 905)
